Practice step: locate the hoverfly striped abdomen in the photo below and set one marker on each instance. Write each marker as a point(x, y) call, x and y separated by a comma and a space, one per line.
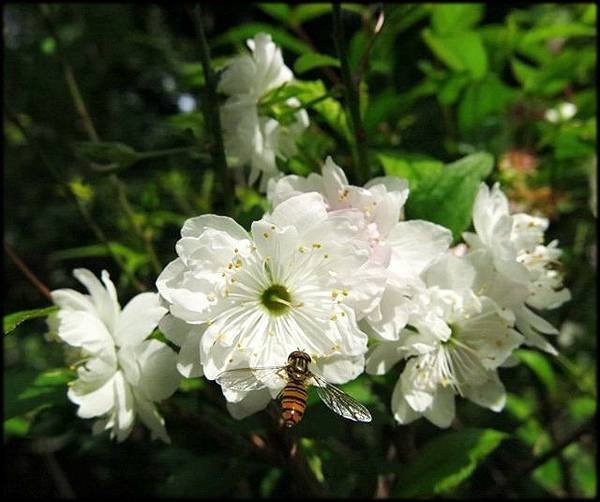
point(293, 403)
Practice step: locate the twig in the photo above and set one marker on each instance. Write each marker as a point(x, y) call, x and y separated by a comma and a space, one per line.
point(364, 60)
point(291, 455)
point(63, 485)
point(32, 141)
point(541, 459)
point(385, 482)
point(88, 124)
point(352, 96)
point(40, 286)
point(210, 109)
point(78, 101)
point(227, 438)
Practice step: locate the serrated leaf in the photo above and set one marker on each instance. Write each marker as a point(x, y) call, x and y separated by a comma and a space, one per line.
point(446, 461)
point(11, 321)
point(313, 60)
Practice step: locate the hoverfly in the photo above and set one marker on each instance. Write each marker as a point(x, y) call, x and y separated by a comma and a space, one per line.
point(292, 398)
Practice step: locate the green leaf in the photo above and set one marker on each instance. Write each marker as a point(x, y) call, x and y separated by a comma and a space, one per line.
point(133, 259)
point(450, 89)
point(462, 51)
point(279, 11)
point(538, 363)
point(526, 74)
point(481, 100)
point(269, 482)
point(582, 408)
point(312, 457)
point(27, 391)
point(241, 33)
point(313, 60)
point(11, 321)
point(446, 461)
point(307, 11)
point(329, 109)
point(442, 195)
point(564, 30)
point(455, 18)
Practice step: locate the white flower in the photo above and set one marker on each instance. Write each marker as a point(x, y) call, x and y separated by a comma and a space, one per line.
point(514, 268)
point(405, 248)
point(122, 374)
point(250, 136)
point(298, 281)
point(463, 359)
point(563, 112)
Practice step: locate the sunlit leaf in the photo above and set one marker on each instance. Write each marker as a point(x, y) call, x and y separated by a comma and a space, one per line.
point(11, 321)
point(446, 461)
point(443, 195)
point(462, 51)
point(310, 61)
point(454, 18)
point(538, 363)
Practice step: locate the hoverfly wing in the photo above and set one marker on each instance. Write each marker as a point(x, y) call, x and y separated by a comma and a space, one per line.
point(340, 402)
point(246, 379)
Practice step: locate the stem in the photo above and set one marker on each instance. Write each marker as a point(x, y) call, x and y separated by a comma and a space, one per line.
point(352, 98)
point(41, 287)
point(210, 109)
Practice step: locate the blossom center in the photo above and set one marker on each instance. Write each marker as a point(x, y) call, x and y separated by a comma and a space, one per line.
point(277, 299)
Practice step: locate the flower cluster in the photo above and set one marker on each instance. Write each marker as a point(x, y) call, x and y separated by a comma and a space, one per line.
point(120, 373)
point(329, 269)
point(252, 136)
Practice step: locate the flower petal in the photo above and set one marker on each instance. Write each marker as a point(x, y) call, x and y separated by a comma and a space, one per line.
point(138, 319)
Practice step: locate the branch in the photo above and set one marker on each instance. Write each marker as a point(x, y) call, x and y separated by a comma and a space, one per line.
point(210, 108)
point(352, 96)
point(32, 141)
point(88, 124)
point(541, 459)
point(39, 285)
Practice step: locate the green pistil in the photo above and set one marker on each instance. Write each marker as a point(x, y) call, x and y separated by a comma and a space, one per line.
point(276, 299)
point(453, 335)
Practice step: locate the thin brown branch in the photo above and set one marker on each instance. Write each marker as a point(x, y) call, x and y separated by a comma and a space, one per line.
point(39, 285)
